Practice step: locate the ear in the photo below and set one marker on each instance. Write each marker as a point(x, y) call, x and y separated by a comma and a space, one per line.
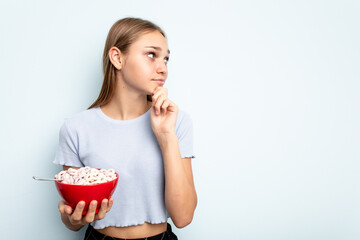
point(116, 57)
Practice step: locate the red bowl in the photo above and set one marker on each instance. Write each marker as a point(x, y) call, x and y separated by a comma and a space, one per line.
point(72, 194)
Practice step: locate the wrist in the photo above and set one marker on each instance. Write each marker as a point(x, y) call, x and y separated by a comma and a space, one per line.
point(161, 135)
point(166, 138)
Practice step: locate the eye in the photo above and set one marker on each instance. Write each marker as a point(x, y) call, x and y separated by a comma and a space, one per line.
point(151, 53)
point(167, 60)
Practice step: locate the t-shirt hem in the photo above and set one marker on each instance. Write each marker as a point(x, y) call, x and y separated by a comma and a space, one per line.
point(127, 225)
point(67, 164)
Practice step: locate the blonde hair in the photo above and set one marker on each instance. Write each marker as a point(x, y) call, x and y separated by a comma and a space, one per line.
point(122, 34)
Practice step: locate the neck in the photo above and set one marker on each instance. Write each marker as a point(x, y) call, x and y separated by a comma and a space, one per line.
point(126, 104)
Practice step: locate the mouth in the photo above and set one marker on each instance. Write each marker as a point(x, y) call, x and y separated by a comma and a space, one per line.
point(160, 81)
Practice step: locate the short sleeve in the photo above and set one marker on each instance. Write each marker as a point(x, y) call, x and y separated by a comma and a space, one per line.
point(67, 152)
point(185, 136)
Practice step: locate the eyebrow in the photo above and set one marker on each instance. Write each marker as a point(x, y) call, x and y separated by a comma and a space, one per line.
point(157, 48)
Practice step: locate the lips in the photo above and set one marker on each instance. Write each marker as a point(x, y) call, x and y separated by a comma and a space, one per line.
point(160, 81)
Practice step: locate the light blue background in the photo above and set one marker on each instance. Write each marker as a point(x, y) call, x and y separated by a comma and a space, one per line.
point(272, 87)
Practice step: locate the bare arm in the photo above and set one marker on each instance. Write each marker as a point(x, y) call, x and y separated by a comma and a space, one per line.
point(180, 193)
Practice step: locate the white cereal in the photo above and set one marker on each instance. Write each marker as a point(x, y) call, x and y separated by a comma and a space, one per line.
point(86, 176)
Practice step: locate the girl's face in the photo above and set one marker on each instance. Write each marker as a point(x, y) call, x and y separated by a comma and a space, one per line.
point(146, 63)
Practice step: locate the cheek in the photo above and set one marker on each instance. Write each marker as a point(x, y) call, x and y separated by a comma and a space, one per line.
point(138, 70)
point(140, 63)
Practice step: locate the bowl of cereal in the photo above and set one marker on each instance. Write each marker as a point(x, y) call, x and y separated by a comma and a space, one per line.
point(86, 184)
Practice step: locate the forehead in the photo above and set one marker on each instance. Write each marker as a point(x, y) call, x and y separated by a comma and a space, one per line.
point(155, 39)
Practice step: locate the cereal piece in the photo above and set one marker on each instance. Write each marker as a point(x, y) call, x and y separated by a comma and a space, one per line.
point(86, 176)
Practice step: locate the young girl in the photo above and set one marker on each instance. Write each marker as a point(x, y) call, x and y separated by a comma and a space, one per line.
point(134, 128)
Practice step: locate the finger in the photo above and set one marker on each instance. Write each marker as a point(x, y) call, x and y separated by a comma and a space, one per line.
point(90, 215)
point(64, 209)
point(160, 91)
point(77, 214)
point(158, 104)
point(165, 105)
point(68, 210)
point(102, 212)
point(111, 201)
point(156, 97)
point(172, 106)
point(61, 207)
point(155, 90)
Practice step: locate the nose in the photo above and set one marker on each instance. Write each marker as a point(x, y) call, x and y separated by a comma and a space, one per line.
point(161, 67)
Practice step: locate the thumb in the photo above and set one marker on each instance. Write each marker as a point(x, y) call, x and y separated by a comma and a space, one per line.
point(68, 210)
point(61, 207)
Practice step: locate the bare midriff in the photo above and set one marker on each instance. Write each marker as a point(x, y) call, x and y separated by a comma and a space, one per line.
point(138, 231)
